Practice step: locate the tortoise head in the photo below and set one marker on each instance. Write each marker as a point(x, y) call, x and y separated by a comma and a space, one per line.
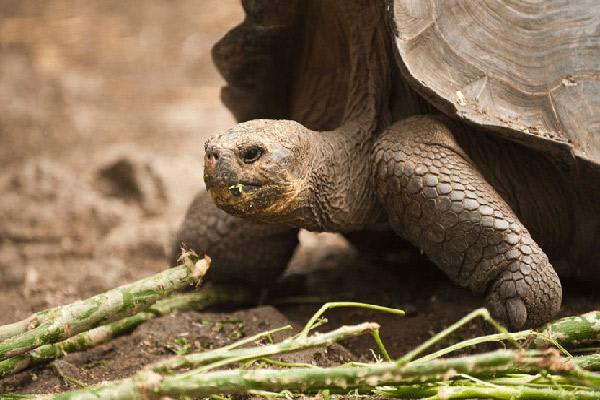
point(257, 169)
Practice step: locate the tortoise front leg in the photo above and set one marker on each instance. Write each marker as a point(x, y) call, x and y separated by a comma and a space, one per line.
point(436, 199)
point(242, 251)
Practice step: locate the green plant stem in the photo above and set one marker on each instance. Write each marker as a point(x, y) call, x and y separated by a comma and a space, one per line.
point(567, 331)
point(223, 356)
point(498, 337)
point(180, 301)
point(480, 312)
point(445, 391)
point(258, 336)
point(14, 329)
point(151, 384)
point(380, 345)
point(337, 304)
point(76, 343)
point(60, 323)
point(574, 331)
point(207, 295)
point(591, 362)
point(286, 364)
point(67, 378)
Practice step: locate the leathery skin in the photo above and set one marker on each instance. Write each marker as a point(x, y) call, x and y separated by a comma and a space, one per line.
point(242, 251)
point(437, 200)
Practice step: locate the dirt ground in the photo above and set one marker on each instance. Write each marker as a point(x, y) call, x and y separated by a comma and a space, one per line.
point(104, 109)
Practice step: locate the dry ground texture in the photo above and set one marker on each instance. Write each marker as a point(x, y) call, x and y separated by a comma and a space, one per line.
point(104, 109)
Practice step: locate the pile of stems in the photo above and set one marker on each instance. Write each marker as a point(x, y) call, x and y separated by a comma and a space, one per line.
point(198, 300)
point(365, 378)
point(55, 331)
point(425, 377)
point(540, 366)
point(231, 354)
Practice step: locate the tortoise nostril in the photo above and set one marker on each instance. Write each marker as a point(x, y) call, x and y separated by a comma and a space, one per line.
point(212, 153)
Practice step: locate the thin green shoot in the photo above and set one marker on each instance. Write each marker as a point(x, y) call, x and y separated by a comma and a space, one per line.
point(380, 345)
point(287, 364)
point(480, 312)
point(327, 306)
point(257, 337)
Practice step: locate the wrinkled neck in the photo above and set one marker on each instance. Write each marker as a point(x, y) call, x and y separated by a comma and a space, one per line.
point(339, 191)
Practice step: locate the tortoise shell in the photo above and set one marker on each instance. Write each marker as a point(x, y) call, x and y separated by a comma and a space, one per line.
point(526, 70)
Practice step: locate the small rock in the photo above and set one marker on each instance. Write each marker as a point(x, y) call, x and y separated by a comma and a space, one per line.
point(133, 180)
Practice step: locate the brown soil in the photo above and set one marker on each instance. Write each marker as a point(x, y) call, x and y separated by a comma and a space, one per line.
point(104, 108)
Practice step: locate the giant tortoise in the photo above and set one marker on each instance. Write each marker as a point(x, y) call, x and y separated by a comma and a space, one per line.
point(470, 129)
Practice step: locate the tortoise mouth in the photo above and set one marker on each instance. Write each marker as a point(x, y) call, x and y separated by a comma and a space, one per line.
point(247, 199)
point(235, 188)
point(238, 189)
point(233, 193)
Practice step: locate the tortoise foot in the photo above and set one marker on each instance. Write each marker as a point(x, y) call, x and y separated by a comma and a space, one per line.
point(526, 294)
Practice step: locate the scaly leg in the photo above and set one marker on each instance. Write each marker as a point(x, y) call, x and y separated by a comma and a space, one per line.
point(242, 251)
point(437, 200)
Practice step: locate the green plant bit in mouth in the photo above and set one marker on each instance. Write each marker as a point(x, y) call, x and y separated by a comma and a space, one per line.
point(236, 189)
point(240, 188)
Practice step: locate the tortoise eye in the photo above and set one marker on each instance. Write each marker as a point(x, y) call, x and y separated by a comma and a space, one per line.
point(251, 154)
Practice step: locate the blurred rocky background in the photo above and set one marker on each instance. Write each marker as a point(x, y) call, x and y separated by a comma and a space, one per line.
point(104, 109)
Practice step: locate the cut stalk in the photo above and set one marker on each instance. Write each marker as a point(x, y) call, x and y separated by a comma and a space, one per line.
point(574, 331)
point(78, 342)
point(60, 323)
point(591, 362)
point(85, 340)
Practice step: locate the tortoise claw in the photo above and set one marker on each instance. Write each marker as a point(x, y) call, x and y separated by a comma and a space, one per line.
point(516, 312)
